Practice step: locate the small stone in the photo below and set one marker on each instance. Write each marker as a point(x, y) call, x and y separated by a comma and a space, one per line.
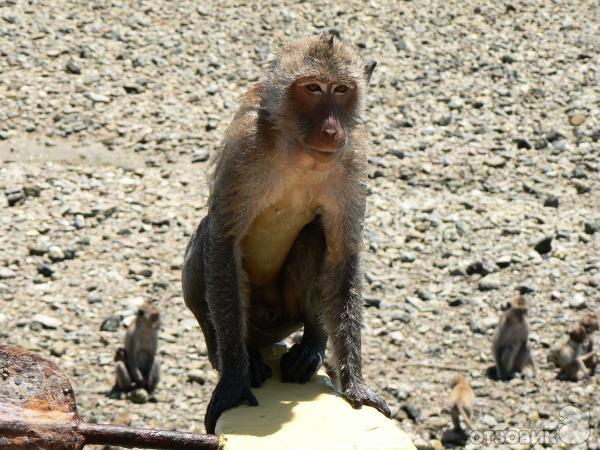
point(443, 120)
point(133, 88)
point(577, 301)
point(372, 301)
point(14, 195)
point(136, 269)
point(196, 376)
point(138, 396)
point(490, 282)
point(200, 156)
point(55, 253)
point(480, 267)
point(94, 297)
point(73, 68)
point(38, 249)
point(46, 321)
point(397, 337)
point(508, 59)
point(504, 261)
point(45, 270)
point(523, 143)
point(551, 201)
point(412, 412)
point(592, 226)
point(111, 324)
point(98, 98)
point(6, 273)
point(58, 349)
point(79, 222)
point(544, 245)
point(397, 153)
point(577, 119)
point(407, 257)
point(495, 161)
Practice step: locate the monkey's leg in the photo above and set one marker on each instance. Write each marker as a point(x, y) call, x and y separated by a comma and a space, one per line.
point(122, 380)
point(226, 296)
point(258, 370)
point(525, 358)
point(301, 271)
point(153, 376)
point(194, 288)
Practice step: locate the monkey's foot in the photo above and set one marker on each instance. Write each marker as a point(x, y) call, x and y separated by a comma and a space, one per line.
point(257, 369)
point(300, 362)
point(229, 393)
point(361, 394)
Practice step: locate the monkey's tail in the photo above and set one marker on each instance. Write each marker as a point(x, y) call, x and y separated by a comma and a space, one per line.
point(466, 417)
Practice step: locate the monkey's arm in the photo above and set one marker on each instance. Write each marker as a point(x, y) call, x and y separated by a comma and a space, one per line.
point(343, 302)
point(224, 296)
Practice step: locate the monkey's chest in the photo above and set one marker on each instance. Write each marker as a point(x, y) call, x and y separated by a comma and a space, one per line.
point(272, 235)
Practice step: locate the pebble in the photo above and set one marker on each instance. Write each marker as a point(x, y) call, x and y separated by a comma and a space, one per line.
point(490, 282)
point(46, 321)
point(73, 68)
point(58, 349)
point(543, 245)
point(55, 253)
point(45, 270)
point(196, 376)
point(6, 273)
point(495, 161)
point(111, 324)
point(138, 396)
point(577, 301)
point(577, 119)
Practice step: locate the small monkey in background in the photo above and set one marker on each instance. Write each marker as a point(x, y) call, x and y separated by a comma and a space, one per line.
point(136, 365)
point(461, 403)
point(571, 357)
point(280, 246)
point(591, 324)
point(510, 347)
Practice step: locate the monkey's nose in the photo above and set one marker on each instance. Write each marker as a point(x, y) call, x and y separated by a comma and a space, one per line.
point(331, 132)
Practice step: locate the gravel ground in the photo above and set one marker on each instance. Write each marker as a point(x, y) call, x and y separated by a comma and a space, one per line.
point(484, 121)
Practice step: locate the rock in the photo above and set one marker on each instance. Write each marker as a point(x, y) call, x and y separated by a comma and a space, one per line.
point(45, 270)
point(48, 322)
point(55, 253)
point(544, 245)
point(14, 195)
point(507, 59)
point(590, 227)
point(73, 68)
point(58, 349)
point(523, 143)
point(139, 396)
point(551, 201)
point(137, 269)
point(504, 261)
point(6, 273)
point(79, 222)
point(577, 301)
point(480, 267)
point(577, 119)
point(196, 376)
point(397, 153)
point(98, 98)
point(443, 120)
point(490, 282)
point(38, 249)
point(407, 257)
point(111, 323)
point(412, 412)
point(200, 155)
point(495, 161)
point(94, 297)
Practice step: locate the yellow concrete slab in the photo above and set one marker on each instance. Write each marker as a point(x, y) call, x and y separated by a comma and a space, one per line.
point(306, 417)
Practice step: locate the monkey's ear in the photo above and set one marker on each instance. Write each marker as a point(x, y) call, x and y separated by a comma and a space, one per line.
point(368, 69)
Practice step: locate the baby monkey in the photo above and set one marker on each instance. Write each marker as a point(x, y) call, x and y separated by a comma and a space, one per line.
point(571, 357)
point(461, 403)
point(589, 321)
point(511, 349)
point(136, 365)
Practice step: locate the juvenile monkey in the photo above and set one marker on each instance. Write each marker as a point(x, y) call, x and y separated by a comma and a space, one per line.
point(279, 248)
point(511, 349)
point(136, 365)
point(571, 357)
point(591, 324)
point(461, 403)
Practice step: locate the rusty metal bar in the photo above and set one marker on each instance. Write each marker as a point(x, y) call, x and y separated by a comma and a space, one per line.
point(145, 438)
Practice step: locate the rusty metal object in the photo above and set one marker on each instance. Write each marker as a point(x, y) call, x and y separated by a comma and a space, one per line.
point(38, 411)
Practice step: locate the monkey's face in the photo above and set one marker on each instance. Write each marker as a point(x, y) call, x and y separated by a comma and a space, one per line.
point(150, 318)
point(324, 112)
point(578, 334)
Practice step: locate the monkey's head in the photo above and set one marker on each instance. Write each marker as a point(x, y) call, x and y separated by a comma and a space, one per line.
point(590, 322)
point(578, 334)
point(519, 306)
point(314, 93)
point(148, 316)
point(120, 354)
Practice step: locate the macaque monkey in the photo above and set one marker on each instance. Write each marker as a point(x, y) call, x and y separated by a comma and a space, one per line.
point(461, 403)
point(591, 324)
point(571, 357)
point(511, 349)
point(280, 246)
point(136, 365)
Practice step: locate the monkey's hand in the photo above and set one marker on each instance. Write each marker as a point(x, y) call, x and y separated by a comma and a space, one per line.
point(361, 394)
point(230, 392)
point(300, 362)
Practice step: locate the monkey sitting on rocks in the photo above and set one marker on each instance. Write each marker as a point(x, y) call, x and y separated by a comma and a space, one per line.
point(280, 246)
point(571, 357)
point(510, 347)
point(136, 365)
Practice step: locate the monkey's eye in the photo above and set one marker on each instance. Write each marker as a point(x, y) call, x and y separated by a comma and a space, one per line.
point(341, 89)
point(313, 87)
